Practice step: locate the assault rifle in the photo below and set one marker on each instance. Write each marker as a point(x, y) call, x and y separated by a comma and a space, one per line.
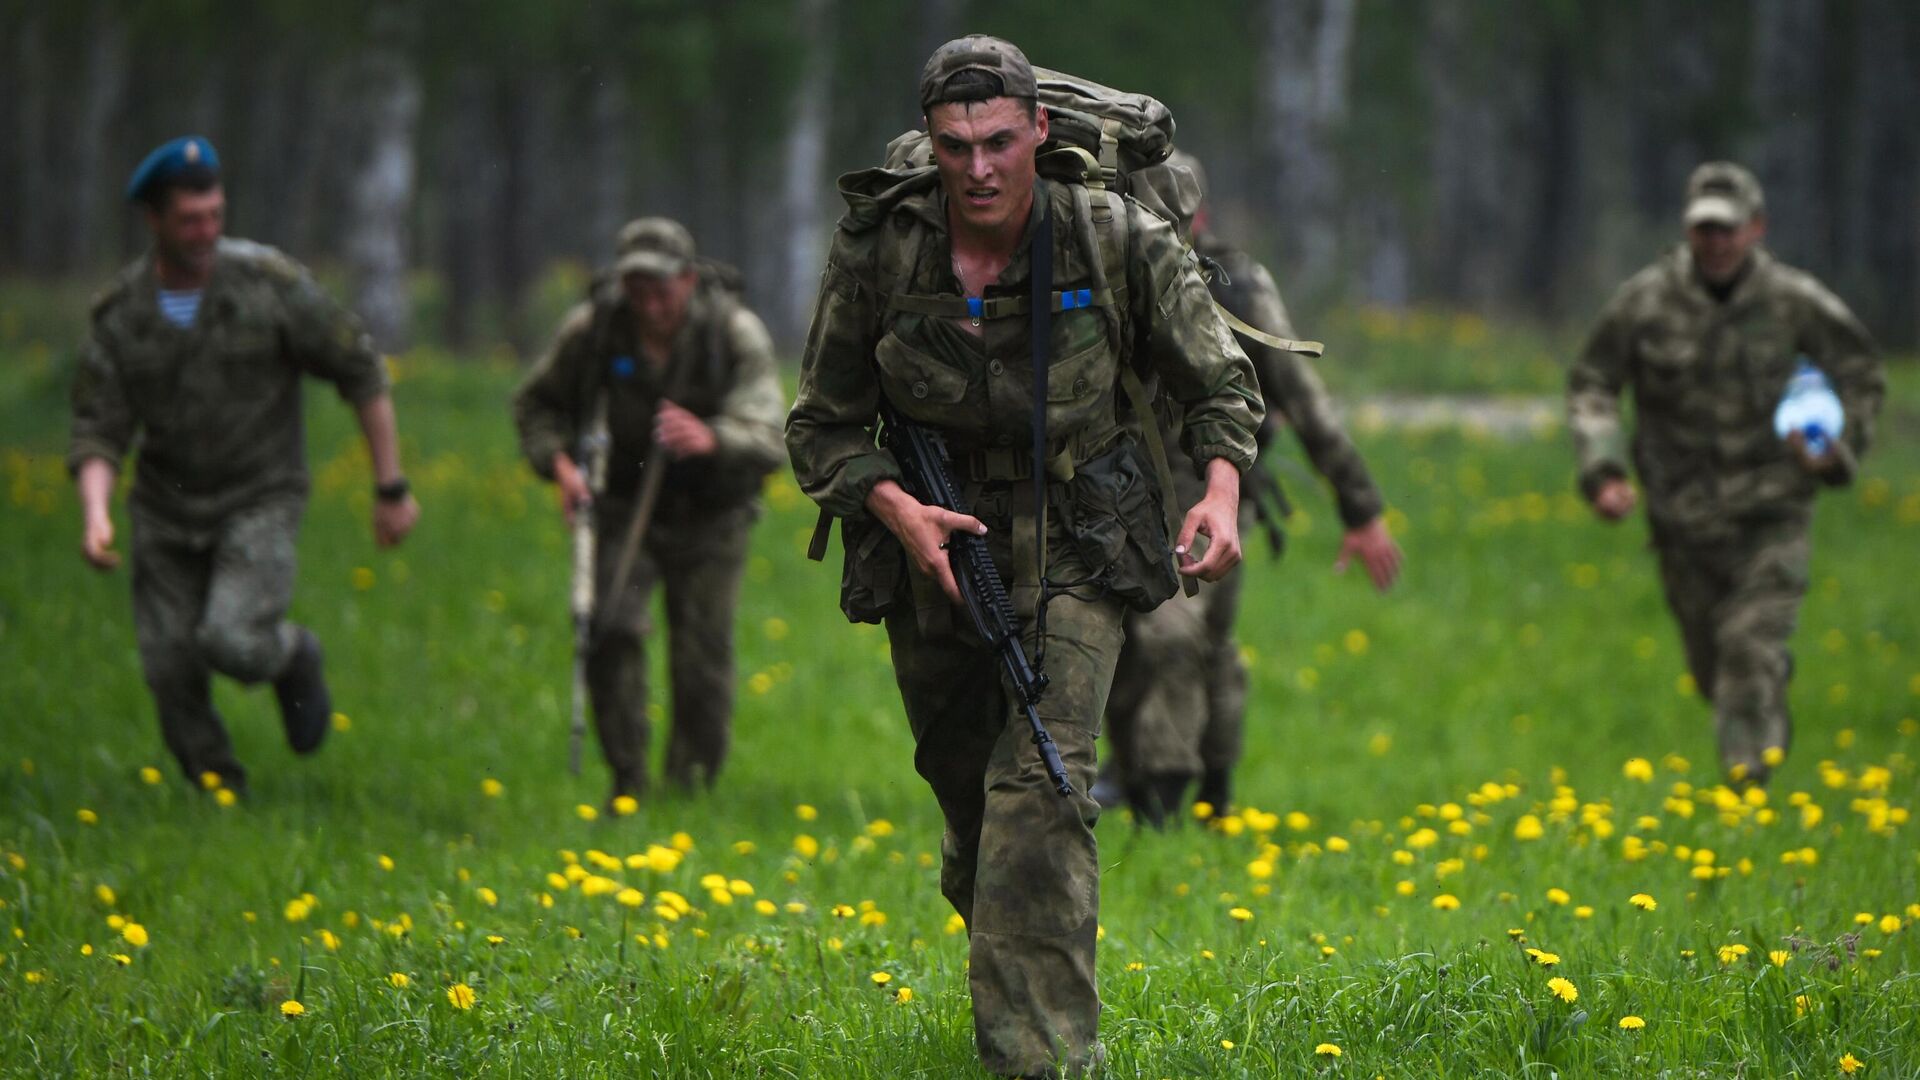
point(928, 477)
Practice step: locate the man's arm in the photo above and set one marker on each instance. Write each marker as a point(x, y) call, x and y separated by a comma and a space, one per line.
point(1201, 367)
point(103, 429)
point(546, 409)
point(1593, 413)
point(1843, 349)
point(745, 433)
point(393, 519)
point(830, 428)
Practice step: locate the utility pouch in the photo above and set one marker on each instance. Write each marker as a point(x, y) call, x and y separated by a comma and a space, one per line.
point(1119, 524)
point(873, 580)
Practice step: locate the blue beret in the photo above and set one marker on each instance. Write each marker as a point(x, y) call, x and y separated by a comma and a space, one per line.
point(169, 160)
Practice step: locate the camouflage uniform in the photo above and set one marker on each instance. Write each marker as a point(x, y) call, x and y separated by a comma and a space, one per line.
point(1166, 725)
point(1728, 502)
point(722, 370)
point(1019, 860)
point(222, 479)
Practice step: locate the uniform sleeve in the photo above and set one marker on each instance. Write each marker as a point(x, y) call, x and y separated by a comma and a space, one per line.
point(1843, 349)
point(746, 429)
point(329, 341)
point(1189, 346)
point(547, 410)
point(1593, 399)
point(830, 430)
point(1292, 389)
point(103, 421)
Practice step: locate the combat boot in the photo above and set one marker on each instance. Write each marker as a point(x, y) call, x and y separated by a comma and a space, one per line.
point(1216, 790)
point(306, 707)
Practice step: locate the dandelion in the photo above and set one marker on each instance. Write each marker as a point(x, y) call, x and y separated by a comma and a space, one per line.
point(586, 812)
point(487, 896)
point(342, 722)
point(135, 935)
point(291, 1008)
point(225, 798)
point(149, 775)
point(1850, 1064)
point(1889, 924)
point(1226, 1044)
point(624, 805)
point(1802, 1004)
point(1528, 828)
point(1564, 990)
point(297, 909)
point(1446, 902)
point(330, 941)
point(1631, 1023)
point(881, 978)
point(492, 788)
point(1240, 914)
point(1643, 901)
point(1136, 966)
point(766, 907)
point(1638, 769)
point(495, 939)
point(903, 996)
point(1584, 911)
point(1327, 1050)
point(399, 980)
point(210, 780)
point(104, 894)
point(1731, 953)
point(121, 958)
point(1543, 958)
point(1558, 896)
point(1779, 957)
point(460, 996)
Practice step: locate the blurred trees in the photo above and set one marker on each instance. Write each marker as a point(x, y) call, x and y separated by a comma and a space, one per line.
point(1509, 156)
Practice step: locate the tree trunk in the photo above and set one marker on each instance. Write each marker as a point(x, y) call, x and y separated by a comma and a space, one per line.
point(1885, 199)
point(36, 185)
point(803, 196)
point(381, 194)
point(1789, 83)
point(610, 194)
point(472, 176)
point(101, 88)
point(1467, 188)
point(1305, 60)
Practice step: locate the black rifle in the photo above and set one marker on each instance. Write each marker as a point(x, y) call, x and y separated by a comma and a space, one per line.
point(924, 461)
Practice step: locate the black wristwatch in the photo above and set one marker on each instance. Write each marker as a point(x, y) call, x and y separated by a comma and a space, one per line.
point(392, 491)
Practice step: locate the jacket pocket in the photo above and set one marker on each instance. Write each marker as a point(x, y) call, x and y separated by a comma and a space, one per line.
point(924, 388)
point(1117, 518)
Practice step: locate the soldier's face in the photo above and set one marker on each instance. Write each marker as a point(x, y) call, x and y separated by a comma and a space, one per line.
point(187, 229)
point(660, 303)
point(984, 151)
point(1719, 251)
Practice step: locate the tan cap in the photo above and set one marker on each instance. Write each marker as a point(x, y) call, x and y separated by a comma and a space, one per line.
point(1722, 193)
point(977, 52)
point(656, 246)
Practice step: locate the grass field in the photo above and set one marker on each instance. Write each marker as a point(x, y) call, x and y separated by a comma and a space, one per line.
point(1496, 757)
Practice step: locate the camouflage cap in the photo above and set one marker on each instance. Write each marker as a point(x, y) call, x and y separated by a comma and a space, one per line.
point(1191, 164)
point(977, 52)
point(1722, 193)
point(656, 246)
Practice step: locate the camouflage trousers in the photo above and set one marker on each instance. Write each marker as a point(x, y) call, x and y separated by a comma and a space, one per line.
point(1179, 702)
point(1018, 859)
point(1736, 602)
point(697, 559)
point(207, 600)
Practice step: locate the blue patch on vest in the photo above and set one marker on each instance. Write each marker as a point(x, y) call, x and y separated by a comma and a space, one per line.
point(975, 307)
point(623, 367)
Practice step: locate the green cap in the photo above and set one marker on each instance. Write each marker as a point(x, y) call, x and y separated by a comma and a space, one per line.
point(656, 246)
point(1722, 193)
point(977, 52)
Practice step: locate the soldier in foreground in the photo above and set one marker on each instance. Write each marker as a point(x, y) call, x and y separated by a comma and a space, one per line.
point(928, 301)
point(1707, 339)
point(197, 351)
point(1179, 702)
point(684, 375)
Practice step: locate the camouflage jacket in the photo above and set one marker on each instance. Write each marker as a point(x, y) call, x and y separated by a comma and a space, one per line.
point(215, 407)
point(1706, 376)
point(1293, 391)
point(978, 390)
point(722, 370)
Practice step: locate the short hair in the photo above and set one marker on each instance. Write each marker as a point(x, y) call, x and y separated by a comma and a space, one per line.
point(973, 85)
point(198, 177)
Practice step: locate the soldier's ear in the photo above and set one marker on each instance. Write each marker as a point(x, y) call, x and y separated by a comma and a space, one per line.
point(1040, 121)
point(1759, 225)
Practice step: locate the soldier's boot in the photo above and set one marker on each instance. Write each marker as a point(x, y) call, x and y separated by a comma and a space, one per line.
point(306, 707)
point(1216, 790)
point(1158, 797)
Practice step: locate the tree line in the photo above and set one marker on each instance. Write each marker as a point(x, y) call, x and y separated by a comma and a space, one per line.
point(1516, 157)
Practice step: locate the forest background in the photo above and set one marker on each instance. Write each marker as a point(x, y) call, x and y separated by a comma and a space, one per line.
point(460, 166)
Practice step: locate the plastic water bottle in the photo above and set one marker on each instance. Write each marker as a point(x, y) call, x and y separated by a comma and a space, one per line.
point(1811, 408)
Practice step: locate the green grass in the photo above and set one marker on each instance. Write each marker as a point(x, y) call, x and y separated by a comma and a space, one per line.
point(1527, 647)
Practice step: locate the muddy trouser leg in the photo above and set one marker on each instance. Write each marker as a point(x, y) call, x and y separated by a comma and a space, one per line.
point(702, 581)
point(245, 634)
point(1752, 625)
point(171, 573)
point(1018, 859)
point(617, 659)
point(1224, 734)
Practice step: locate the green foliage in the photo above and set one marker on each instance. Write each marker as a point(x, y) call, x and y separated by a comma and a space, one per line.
point(1525, 637)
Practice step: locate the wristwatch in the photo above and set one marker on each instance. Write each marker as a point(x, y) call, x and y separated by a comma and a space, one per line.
point(392, 491)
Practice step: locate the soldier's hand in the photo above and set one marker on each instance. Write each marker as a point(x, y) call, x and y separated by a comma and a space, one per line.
point(1615, 500)
point(923, 530)
point(682, 434)
point(1216, 517)
point(572, 485)
point(392, 521)
point(96, 543)
point(1374, 546)
point(1817, 464)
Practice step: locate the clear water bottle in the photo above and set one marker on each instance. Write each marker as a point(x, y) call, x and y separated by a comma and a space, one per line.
point(1811, 408)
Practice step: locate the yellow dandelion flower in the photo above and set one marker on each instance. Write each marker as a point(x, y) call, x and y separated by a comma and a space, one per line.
point(881, 978)
point(1731, 953)
point(1226, 1044)
point(399, 980)
point(1558, 896)
point(586, 812)
point(386, 863)
point(1239, 914)
point(135, 935)
point(1327, 1050)
point(1631, 1023)
point(291, 1007)
point(1889, 924)
point(1543, 958)
point(495, 939)
point(903, 996)
point(297, 909)
point(225, 797)
point(460, 996)
point(873, 918)
point(1850, 1064)
point(330, 941)
point(487, 896)
point(1779, 957)
point(1638, 769)
point(630, 897)
point(210, 780)
point(766, 907)
point(492, 788)
point(1643, 901)
point(956, 924)
point(1528, 828)
point(1446, 902)
point(149, 774)
point(104, 894)
point(1564, 990)
point(121, 958)
point(624, 805)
